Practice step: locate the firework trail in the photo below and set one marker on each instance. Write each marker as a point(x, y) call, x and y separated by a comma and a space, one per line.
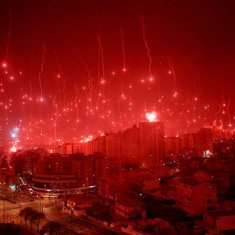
point(8, 33)
point(172, 71)
point(41, 70)
point(55, 120)
point(123, 50)
point(76, 105)
point(61, 76)
point(147, 47)
point(89, 85)
point(101, 53)
point(228, 111)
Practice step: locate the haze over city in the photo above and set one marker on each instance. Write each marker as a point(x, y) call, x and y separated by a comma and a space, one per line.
point(83, 68)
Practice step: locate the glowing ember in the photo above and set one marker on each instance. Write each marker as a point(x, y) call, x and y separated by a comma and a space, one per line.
point(13, 149)
point(4, 65)
point(87, 139)
point(151, 117)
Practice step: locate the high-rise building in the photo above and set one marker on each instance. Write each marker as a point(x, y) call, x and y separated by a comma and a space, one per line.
point(189, 143)
point(113, 144)
point(98, 144)
point(152, 147)
point(172, 145)
point(131, 144)
point(70, 174)
point(205, 146)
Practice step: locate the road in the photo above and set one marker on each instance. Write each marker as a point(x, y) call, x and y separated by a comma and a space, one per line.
point(82, 226)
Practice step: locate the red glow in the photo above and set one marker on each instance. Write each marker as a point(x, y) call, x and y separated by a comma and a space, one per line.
point(4, 65)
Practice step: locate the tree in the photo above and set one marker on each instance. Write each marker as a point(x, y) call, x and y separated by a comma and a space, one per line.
point(37, 218)
point(53, 228)
point(26, 213)
point(32, 215)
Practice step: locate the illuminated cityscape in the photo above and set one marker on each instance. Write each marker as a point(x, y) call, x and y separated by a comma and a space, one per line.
point(117, 117)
